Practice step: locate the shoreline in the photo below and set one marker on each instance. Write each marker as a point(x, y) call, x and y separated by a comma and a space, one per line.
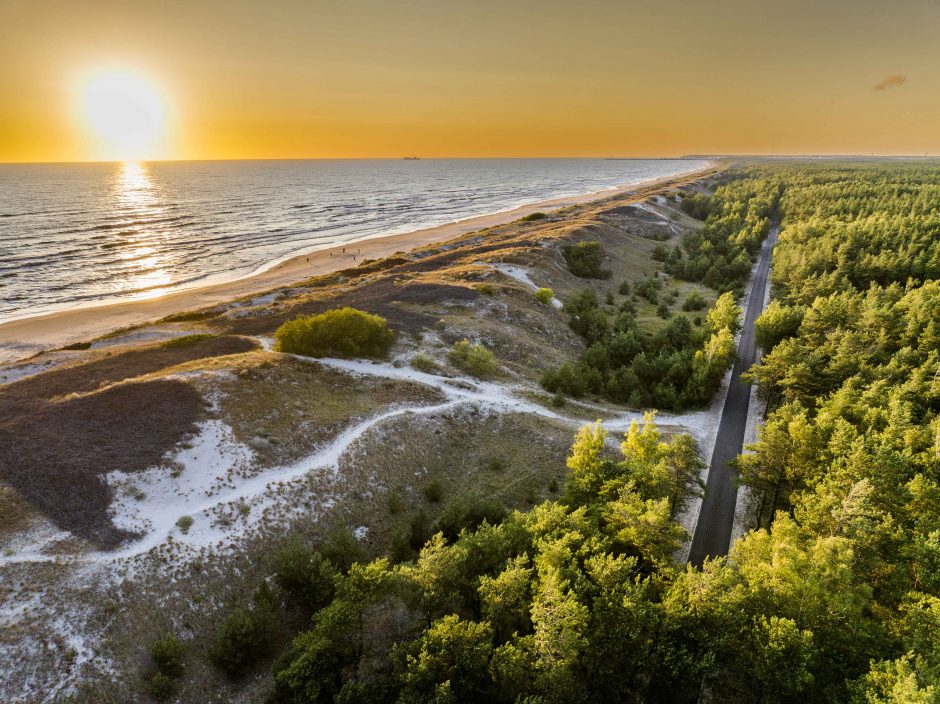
point(22, 338)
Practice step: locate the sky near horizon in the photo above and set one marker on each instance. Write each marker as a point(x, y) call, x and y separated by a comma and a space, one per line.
point(483, 78)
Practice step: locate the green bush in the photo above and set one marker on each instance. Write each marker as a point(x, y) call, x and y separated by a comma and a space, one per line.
point(584, 260)
point(246, 636)
point(545, 295)
point(696, 205)
point(660, 253)
point(485, 289)
point(533, 216)
point(160, 687)
point(342, 332)
point(395, 503)
point(343, 549)
point(184, 523)
point(694, 301)
point(624, 288)
point(409, 539)
point(424, 363)
point(469, 511)
point(475, 360)
point(167, 655)
point(433, 491)
point(649, 289)
point(304, 574)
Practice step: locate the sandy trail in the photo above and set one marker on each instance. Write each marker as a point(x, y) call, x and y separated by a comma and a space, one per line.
point(160, 516)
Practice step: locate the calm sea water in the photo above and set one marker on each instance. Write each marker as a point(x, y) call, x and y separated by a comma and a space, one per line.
point(81, 234)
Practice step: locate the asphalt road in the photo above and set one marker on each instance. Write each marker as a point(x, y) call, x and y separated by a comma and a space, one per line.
point(713, 531)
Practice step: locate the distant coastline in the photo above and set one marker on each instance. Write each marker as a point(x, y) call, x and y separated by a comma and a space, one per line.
point(23, 337)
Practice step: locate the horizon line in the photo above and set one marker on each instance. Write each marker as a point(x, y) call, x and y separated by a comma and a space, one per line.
point(924, 155)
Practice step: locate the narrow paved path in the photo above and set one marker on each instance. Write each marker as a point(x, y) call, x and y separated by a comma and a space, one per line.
point(713, 530)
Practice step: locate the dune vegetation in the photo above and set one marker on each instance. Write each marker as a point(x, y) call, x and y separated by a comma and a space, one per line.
point(439, 530)
point(833, 597)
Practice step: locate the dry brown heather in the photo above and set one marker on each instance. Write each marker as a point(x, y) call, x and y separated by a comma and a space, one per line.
point(61, 430)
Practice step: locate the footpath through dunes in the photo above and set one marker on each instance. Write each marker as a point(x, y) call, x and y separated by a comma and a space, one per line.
point(712, 535)
point(172, 457)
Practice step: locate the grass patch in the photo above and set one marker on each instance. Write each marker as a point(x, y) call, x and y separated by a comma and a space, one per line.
point(184, 523)
point(302, 404)
point(187, 340)
point(475, 360)
point(532, 217)
point(424, 363)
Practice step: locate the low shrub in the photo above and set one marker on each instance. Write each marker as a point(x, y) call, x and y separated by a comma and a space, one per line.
point(167, 655)
point(584, 260)
point(694, 301)
point(660, 253)
point(342, 332)
point(533, 216)
point(343, 549)
point(697, 205)
point(624, 288)
point(184, 523)
point(160, 687)
point(485, 289)
point(469, 511)
point(649, 289)
point(424, 363)
point(246, 636)
point(395, 503)
point(475, 360)
point(433, 491)
point(545, 295)
point(409, 539)
point(304, 574)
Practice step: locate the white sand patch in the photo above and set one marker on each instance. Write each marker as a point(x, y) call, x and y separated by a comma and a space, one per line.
point(264, 300)
point(37, 536)
point(521, 275)
point(20, 371)
point(666, 221)
point(153, 501)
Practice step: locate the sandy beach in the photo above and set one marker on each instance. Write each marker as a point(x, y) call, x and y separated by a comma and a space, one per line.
point(23, 338)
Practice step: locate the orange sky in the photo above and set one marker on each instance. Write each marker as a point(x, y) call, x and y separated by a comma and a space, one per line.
point(351, 78)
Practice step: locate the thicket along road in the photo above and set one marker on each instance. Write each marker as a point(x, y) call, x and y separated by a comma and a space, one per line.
point(716, 518)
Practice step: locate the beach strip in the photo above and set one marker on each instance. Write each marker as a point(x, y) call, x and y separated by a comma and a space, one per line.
point(23, 338)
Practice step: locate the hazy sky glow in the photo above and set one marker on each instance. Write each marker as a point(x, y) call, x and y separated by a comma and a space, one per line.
point(351, 78)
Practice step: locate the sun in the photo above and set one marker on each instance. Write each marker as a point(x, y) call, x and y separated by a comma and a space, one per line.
point(126, 114)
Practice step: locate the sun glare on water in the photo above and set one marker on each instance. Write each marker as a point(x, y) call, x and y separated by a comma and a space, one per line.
point(125, 113)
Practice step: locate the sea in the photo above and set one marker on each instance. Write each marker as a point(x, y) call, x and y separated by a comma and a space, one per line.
point(87, 234)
